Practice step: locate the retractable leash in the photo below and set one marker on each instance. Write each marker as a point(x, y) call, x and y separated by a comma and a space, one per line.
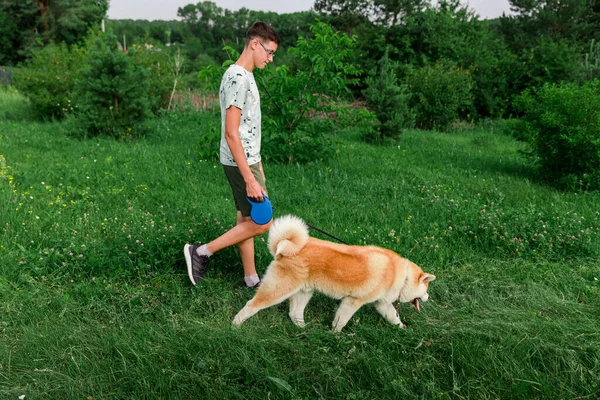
point(325, 233)
point(261, 213)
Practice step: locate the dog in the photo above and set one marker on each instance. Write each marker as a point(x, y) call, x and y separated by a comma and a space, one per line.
point(355, 274)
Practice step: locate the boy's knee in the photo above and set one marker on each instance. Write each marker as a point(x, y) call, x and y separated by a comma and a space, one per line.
point(262, 229)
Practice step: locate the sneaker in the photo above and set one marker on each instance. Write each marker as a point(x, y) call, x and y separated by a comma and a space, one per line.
point(196, 265)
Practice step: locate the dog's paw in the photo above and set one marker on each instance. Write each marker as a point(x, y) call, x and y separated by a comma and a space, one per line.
point(299, 323)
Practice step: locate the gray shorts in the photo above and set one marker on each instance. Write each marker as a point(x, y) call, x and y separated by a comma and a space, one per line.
point(238, 186)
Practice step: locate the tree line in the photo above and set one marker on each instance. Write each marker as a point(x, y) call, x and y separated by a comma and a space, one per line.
point(413, 63)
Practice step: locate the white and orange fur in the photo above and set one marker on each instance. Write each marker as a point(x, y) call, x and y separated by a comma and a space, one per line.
point(355, 274)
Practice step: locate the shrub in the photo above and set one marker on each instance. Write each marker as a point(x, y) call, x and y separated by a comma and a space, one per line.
point(299, 101)
point(48, 79)
point(300, 104)
point(563, 124)
point(160, 74)
point(389, 101)
point(13, 105)
point(438, 94)
point(112, 93)
point(589, 67)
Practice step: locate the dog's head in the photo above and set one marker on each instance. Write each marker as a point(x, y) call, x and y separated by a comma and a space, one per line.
point(415, 288)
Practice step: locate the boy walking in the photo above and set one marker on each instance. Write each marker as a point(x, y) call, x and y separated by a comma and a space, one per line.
point(240, 154)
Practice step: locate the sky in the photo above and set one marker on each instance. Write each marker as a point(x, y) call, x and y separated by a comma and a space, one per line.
point(167, 10)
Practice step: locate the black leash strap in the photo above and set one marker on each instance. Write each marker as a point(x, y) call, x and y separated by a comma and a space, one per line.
point(325, 233)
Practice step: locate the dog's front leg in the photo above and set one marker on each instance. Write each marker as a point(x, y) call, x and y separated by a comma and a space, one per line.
point(389, 312)
point(346, 310)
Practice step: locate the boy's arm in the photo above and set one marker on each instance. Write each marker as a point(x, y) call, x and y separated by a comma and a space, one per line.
point(233, 117)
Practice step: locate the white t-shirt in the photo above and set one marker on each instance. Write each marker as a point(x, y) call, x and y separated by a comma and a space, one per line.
point(238, 88)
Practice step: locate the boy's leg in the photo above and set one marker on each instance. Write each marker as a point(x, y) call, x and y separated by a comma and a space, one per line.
point(241, 234)
point(246, 250)
point(245, 230)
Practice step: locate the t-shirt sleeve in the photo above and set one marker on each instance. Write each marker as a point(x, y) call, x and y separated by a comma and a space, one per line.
point(236, 90)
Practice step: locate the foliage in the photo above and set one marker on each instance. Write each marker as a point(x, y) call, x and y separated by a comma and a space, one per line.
point(385, 12)
point(547, 37)
point(563, 122)
point(48, 79)
point(389, 101)
point(557, 19)
point(440, 94)
point(299, 105)
point(298, 100)
point(35, 23)
point(589, 66)
point(13, 105)
point(212, 26)
point(8, 36)
point(159, 69)
point(452, 32)
point(112, 93)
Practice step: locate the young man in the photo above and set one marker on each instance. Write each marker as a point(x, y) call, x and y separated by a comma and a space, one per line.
point(240, 153)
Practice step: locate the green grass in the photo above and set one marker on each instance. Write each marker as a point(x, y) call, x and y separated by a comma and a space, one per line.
point(95, 301)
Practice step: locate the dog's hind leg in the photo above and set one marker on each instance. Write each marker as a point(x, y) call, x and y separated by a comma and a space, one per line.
point(298, 303)
point(268, 294)
point(389, 313)
point(346, 310)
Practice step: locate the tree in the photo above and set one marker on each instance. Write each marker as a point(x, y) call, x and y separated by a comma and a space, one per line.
point(559, 19)
point(346, 15)
point(389, 101)
point(112, 93)
point(37, 22)
point(8, 37)
point(384, 12)
point(391, 12)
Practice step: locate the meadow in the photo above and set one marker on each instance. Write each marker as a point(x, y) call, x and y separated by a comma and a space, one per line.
point(95, 301)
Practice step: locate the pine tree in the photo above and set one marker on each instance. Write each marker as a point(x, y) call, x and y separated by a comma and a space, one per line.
point(112, 93)
point(388, 100)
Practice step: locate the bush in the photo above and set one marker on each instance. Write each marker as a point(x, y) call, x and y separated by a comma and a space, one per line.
point(563, 124)
point(300, 104)
point(112, 93)
point(159, 66)
point(13, 105)
point(389, 101)
point(48, 79)
point(439, 93)
point(299, 100)
point(589, 67)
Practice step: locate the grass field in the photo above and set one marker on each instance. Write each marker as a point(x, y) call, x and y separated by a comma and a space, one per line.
point(95, 302)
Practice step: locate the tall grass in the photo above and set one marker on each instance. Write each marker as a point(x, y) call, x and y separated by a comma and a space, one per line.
point(95, 301)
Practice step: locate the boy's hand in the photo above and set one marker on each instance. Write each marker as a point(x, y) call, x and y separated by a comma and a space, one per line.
point(254, 191)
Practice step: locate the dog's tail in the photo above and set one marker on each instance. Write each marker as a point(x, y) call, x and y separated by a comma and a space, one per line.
point(287, 236)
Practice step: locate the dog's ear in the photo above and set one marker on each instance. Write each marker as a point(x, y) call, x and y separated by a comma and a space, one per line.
point(427, 278)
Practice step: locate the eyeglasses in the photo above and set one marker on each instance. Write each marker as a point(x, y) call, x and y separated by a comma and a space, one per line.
point(269, 52)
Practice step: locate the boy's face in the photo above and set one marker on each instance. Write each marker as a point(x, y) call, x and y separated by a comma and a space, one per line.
point(264, 52)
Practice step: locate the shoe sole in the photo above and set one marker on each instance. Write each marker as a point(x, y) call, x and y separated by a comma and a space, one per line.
point(188, 261)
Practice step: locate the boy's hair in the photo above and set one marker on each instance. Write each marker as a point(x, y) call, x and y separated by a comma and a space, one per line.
point(263, 31)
